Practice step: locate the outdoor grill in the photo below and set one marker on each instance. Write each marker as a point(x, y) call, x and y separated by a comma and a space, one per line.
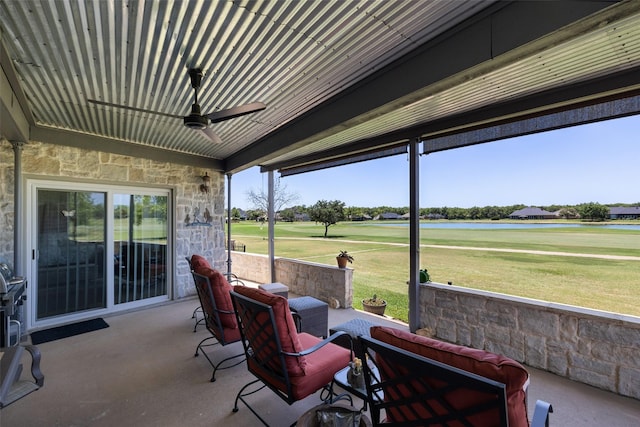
point(12, 297)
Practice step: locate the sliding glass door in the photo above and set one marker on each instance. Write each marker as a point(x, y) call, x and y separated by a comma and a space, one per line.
point(140, 247)
point(96, 248)
point(71, 252)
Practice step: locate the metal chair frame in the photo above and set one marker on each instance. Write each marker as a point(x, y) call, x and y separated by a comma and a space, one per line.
point(231, 278)
point(213, 324)
point(12, 387)
point(426, 386)
point(198, 309)
point(423, 386)
point(264, 354)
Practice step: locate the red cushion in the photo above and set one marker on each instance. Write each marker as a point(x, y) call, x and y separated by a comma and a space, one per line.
point(284, 323)
point(221, 294)
point(322, 365)
point(230, 335)
point(199, 262)
point(480, 362)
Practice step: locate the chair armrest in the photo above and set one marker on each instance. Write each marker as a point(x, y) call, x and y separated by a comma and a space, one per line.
point(36, 373)
point(541, 414)
point(321, 344)
point(297, 320)
point(232, 278)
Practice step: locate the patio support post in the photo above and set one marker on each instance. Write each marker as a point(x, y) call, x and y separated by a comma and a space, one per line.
point(414, 234)
point(229, 225)
point(17, 207)
point(271, 215)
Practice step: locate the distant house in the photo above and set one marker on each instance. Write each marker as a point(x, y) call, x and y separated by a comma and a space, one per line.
point(532, 213)
point(435, 216)
point(387, 216)
point(363, 217)
point(406, 216)
point(632, 212)
point(242, 216)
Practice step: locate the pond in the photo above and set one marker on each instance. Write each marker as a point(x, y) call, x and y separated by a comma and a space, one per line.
point(505, 226)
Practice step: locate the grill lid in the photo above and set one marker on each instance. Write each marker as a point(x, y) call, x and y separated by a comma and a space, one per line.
point(7, 279)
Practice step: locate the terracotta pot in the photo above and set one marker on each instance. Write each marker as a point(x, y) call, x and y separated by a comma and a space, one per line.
point(342, 261)
point(375, 309)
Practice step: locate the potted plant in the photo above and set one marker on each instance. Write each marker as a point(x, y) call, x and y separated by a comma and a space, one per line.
point(374, 305)
point(342, 258)
point(354, 374)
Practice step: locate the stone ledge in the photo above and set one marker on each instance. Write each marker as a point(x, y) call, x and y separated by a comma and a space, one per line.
point(584, 345)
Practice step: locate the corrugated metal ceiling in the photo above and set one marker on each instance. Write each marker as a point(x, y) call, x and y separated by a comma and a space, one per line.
point(292, 55)
point(608, 49)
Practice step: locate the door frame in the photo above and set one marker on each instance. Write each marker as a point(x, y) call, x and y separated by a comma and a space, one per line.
point(31, 264)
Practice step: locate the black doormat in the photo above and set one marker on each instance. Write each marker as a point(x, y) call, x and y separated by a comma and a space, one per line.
point(66, 331)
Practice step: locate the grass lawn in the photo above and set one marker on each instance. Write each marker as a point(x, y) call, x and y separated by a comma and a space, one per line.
point(382, 265)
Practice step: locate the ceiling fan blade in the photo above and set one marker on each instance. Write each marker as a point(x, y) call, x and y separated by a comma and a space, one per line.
point(212, 135)
point(234, 112)
point(126, 107)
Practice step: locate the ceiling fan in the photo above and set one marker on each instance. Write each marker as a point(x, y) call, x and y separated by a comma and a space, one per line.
point(196, 120)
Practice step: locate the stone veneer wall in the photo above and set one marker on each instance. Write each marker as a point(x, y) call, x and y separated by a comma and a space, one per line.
point(6, 200)
point(596, 348)
point(327, 283)
point(48, 161)
point(251, 267)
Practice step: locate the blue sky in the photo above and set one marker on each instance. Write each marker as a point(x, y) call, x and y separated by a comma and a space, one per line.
point(590, 163)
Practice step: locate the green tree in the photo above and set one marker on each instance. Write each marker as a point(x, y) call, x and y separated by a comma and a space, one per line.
point(235, 213)
point(327, 213)
point(474, 213)
point(121, 211)
point(351, 212)
point(456, 213)
point(288, 214)
point(593, 211)
point(492, 212)
point(568, 213)
point(254, 214)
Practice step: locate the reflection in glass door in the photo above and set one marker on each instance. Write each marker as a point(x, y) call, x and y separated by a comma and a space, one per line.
point(140, 247)
point(71, 252)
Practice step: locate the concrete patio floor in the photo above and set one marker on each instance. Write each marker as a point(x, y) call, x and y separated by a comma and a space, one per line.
point(141, 372)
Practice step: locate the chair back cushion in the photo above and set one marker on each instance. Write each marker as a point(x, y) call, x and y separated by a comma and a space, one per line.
point(221, 289)
point(479, 362)
point(199, 262)
point(285, 326)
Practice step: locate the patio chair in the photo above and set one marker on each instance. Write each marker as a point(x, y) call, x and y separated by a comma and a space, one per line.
point(408, 385)
point(197, 262)
point(219, 316)
point(293, 365)
point(198, 310)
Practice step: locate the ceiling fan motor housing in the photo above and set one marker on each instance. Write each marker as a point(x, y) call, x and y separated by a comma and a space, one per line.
point(195, 120)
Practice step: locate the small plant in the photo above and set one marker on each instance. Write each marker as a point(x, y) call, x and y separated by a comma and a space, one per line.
point(374, 305)
point(356, 365)
point(354, 375)
point(344, 254)
point(374, 300)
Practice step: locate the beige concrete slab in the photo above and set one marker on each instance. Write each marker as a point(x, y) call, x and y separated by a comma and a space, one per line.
point(141, 372)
